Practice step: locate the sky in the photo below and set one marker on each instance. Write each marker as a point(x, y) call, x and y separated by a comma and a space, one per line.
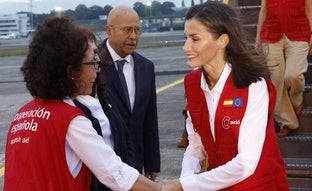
point(45, 6)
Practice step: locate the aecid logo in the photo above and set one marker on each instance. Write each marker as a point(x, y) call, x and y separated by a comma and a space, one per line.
point(227, 122)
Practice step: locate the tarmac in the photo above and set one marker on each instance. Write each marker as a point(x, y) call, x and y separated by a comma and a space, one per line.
point(170, 68)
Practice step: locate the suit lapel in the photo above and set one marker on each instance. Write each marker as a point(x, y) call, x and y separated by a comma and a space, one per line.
point(138, 77)
point(116, 84)
point(111, 74)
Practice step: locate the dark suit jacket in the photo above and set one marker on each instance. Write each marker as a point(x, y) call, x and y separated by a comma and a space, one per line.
point(123, 146)
point(142, 121)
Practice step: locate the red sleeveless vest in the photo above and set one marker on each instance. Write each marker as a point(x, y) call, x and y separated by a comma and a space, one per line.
point(35, 149)
point(270, 173)
point(285, 17)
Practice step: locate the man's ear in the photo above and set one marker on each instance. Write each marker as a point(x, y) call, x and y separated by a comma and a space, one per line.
point(108, 30)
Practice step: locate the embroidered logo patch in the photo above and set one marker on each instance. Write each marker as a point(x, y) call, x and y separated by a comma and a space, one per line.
point(235, 102)
point(227, 122)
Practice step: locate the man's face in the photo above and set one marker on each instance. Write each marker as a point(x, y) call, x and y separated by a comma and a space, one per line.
point(123, 34)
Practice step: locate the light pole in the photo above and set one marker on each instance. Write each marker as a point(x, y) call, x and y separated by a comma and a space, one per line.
point(149, 5)
point(148, 16)
point(58, 11)
point(31, 15)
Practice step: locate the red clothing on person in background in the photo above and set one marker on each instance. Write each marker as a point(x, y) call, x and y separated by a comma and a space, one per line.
point(287, 18)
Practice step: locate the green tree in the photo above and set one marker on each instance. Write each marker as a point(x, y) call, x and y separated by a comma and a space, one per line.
point(107, 9)
point(82, 12)
point(70, 13)
point(167, 8)
point(95, 11)
point(156, 8)
point(140, 8)
point(39, 18)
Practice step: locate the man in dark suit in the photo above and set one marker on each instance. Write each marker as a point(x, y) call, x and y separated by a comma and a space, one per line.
point(132, 89)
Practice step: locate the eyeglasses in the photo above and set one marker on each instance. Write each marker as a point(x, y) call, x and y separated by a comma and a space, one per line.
point(128, 30)
point(96, 64)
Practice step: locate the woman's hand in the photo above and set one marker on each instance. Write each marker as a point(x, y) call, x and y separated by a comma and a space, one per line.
point(171, 185)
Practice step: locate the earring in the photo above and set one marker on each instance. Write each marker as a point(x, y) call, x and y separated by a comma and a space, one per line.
point(72, 78)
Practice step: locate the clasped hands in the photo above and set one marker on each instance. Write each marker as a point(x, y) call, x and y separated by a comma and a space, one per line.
point(166, 185)
point(171, 185)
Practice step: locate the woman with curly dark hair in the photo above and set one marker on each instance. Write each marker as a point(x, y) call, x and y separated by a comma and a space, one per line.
point(51, 144)
point(230, 103)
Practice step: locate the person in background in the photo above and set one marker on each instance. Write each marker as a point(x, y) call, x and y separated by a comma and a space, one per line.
point(230, 104)
point(130, 81)
point(51, 144)
point(284, 31)
point(117, 136)
point(183, 142)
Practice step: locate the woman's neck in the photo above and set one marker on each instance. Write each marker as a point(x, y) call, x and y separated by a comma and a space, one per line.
point(212, 73)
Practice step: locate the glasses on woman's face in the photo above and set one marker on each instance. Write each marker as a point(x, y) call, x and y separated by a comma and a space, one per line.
point(128, 30)
point(96, 63)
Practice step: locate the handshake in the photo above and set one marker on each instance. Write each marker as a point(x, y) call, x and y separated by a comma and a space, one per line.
point(144, 183)
point(171, 185)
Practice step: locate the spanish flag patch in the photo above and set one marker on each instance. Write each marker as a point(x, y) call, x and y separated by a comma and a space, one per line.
point(235, 102)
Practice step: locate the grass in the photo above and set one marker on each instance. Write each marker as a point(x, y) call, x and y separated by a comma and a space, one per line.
point(21, 51)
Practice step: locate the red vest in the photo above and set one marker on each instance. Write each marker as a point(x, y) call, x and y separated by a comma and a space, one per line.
point(35, 149)
point(270, 173)
point(285, 17)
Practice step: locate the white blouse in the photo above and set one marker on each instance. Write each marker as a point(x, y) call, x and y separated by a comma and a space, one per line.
point(84, 145)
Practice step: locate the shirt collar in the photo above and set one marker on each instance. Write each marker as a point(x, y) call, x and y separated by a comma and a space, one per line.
point(220, 83)
point(115, 56)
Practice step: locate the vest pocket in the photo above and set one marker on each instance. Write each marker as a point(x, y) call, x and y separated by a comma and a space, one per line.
point(295, 8)
point(272, 7)
point(195, 110)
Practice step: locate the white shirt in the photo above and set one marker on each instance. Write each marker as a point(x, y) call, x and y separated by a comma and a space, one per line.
point(84, 145)
point(250, 141)
point(128, 71)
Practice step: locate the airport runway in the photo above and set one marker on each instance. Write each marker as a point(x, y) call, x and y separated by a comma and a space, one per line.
point(170, 68)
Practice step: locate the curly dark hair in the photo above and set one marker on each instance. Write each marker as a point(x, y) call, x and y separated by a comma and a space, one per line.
point(55, 54)
point(218, 18)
